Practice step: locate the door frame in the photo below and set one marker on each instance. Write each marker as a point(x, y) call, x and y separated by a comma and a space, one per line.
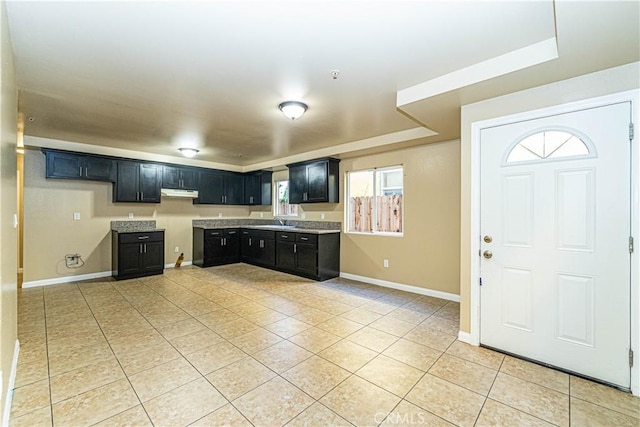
point(632, 96)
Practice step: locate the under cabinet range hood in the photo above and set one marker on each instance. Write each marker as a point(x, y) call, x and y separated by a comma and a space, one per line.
point(185, 194)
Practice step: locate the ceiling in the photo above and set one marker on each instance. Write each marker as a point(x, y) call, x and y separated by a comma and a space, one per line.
point(153, 76)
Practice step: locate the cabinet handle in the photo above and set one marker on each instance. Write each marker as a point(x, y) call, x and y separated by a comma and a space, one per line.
point(86, 171)
point(145, 248)
point(304, 238)
point(141, 195)
point(140, 247)
point(295, 248)
point(262, 243)
point(232, 232)
point(143, 237)
point(249, 241)
point(284, 236)
point(80, 170)
point(250, 199)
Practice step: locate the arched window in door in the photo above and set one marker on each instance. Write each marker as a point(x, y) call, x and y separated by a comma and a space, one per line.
point(549, 145)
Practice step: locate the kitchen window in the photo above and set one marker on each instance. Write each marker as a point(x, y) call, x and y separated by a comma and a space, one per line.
point(281, 202)
point(375, 201)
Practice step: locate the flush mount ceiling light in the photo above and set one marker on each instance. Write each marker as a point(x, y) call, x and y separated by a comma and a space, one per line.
point(188, 151)
point(293, 109)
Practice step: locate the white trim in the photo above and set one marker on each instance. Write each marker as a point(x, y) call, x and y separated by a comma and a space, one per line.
point(465, 337)
point(515, 60)
point(402, 287)
point(12, 383)
point(66, 279)
point(173, 264)
point(632, 96)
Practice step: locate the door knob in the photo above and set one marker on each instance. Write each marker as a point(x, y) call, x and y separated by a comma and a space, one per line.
point(487, 254)
point(487, 239)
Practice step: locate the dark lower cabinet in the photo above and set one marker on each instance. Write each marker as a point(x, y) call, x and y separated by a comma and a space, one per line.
point(215, 246)
point(258, 247)
point(137, 254)
point(316, 256)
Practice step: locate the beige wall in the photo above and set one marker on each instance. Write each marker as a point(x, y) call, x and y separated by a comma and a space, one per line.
point(606, 82)
point(427, 255)
point(50, 231)
point(8, 205)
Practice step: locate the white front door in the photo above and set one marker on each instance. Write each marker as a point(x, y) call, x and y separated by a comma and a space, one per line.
point(555, 227)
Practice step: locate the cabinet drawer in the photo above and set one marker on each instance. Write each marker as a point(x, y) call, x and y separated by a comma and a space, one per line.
point(260, 234)
point(285, 237)
point(154, 236)
point(307, 238)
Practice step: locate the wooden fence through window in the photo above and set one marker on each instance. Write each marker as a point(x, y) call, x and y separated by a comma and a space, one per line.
point(389, 210)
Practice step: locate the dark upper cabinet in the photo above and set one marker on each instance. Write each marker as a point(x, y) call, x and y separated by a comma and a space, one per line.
point(257, 188)
point(79, 166)
point(316, 181)
point(137, 182)
point(179, 178)
point(220, 188)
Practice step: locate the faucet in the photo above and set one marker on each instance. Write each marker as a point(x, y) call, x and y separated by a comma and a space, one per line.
point(280, 221)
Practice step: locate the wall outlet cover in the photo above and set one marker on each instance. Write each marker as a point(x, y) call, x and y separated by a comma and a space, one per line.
point(130, 215)
point(76, 216)
point(177, 249)
point(385, 263)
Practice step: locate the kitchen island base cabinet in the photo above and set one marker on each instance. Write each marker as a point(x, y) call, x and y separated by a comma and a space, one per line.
point(315, 256)
point(137, 254)
point(215, 246)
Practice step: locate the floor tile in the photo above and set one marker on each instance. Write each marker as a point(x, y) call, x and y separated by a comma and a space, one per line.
point(497, 414)
point(95, 405)
point(38, 418)
point(184, 405)
point(408, 415)
point(234, 328)
point(180, 328)
point(316, 376)
point(318, 415)
point(162, 378)
point(361, 315)
point(446, 400)
point(226, 416)
point(30, 397)
point(135, 416)
point(282, 356)
point(313, 317)
point(240, 377)
point(195, 341)
point(585, 413)
point(89, 377)
point(414, 317)
point(360, 402)
point(481, 356)
point(413, 354)
point(215, 357)
point(536, 374)
point(424, 335)
point(392, 326)
point(314, 339)
point(265, 317)
point(348, 355)
point(148, 358)
point(61, 362)
point(136, 342)
point(391, 375)
point(217, 317)
point(541, 402)
point(33, 370)
point(605, 396)
point(273, 403)
point(340, 326)
point(373, 339)
point(256, 340)
point(466, 374)
point(288, 327)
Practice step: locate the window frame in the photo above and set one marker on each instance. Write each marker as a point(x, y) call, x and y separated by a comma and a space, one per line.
point(347, 208)
point(276, 201)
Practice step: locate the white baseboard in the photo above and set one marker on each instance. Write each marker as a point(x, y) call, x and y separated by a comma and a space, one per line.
point(66, 279)
point(402, 287)
point(465, 337)
point(12, 382)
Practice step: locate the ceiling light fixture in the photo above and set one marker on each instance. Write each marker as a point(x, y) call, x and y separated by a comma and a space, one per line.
point(293, 109)
point(188, 151)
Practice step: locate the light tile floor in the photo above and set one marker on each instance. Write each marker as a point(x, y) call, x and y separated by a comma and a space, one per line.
point(240, 345)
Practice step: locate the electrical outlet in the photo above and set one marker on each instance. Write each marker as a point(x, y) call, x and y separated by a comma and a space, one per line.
point(385, 263)
point(130, 215)
point(177, 249)
point(303, 215)
point(72, 260)
point(76, 216)
point(322, 216)
point(261, 214)
point(219, 214)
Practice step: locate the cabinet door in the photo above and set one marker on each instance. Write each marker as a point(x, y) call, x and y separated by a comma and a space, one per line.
point(98, 169)
point(214, 250)
point(153, 258)
point(233, 189)
point(232, 245)
point(129, 258)
point(171, 177)
point(126, 187)
point(63, 165)
point(297, 184)
point(211, 188)
point(317, 190)
point(149, 183)
point(285, 257)
point(267, 255)
point(189, 179)
point(246, 247)
point(307, 259)
point(266, 187)
point(252, 189)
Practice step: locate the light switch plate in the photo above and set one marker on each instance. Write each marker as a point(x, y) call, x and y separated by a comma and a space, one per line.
point(76, 216)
